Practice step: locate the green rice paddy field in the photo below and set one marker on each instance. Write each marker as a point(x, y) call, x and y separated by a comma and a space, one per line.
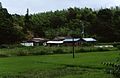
point(84, 65)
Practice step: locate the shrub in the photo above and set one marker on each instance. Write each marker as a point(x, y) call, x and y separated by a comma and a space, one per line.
point(3, 55)
point(91, 49)
point(4, 46)
point(118, 46)
point(58, 51)
point(113, 69)
point(102, 49)
point(39, 53)
point(83, 50)
point(22, 53)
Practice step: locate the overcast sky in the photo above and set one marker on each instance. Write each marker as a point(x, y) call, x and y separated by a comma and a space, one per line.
point(35, 6)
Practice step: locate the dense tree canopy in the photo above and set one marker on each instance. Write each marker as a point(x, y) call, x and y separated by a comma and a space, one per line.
point(103, 24)
point(8, 31)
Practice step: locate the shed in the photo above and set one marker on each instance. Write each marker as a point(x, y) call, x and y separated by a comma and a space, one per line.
point(70, 41)
point(54, 43)
point(89, 39)
point(27, 43)
point(38, 41)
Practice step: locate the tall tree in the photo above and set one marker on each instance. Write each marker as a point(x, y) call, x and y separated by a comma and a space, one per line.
point(8, 33)
point(27, 29)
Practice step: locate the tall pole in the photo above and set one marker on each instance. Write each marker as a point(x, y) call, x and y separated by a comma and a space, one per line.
point(83, 30)
point(0, 5)
point(27, 11)
point(73, 47)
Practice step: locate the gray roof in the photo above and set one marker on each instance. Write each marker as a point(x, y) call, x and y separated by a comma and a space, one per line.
point(70, 39)
point(39, 39)
point(59, 38)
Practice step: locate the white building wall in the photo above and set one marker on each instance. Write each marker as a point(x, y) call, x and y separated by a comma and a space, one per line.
point(27, 44)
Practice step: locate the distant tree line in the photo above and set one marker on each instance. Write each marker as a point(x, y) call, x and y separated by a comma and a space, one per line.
point(102, 24)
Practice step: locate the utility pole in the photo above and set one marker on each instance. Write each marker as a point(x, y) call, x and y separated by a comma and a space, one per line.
point(0, 5)
point(73, 47)
point(83, 31)
point(27, 11)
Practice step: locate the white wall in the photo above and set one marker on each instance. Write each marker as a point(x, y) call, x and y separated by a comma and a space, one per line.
point(27, 44)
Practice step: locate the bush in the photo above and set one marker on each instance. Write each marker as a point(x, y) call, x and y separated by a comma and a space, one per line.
point(4, 46)
point(3, 55)
point(22, 53)
point(58, 51)
point(91, 49)
point(113, 69)
point(39, 53)
point(102, 49)
point(118, 46)
point(83, 50)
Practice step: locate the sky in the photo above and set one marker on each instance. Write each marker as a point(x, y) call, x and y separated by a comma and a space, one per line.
point(37, 6)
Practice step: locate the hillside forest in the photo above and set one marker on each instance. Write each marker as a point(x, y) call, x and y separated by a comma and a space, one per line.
point(102, 24)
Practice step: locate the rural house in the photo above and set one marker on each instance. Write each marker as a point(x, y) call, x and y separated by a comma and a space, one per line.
point(70, 41)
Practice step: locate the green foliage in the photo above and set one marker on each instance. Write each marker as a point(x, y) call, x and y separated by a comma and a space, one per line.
point(103, 49)
point(58, 51)
point(8, 32)
point(41, 50)
point(114, 69)
point(118, 46)
point(22, 53)
point(99, 24)
point(3, 55)
point(102, 24)
point(4, 46)
point(91, 49)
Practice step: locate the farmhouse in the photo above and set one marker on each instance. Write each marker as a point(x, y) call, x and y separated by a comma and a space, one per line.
point(38, 41)
point(34, 42)
point(27, 43)
point(68, 41)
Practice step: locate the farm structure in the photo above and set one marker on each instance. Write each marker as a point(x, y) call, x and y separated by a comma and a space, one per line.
point(34, 42)
point(67, 41)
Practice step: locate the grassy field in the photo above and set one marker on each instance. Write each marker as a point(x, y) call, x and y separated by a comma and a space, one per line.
point(84, 65)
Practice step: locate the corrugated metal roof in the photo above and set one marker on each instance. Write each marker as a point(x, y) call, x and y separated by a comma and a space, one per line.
point(89, 39)
point(70, 40)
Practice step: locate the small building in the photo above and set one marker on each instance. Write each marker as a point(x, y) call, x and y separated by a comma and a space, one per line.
point(27, 43)
point(34, 42)
point(71, 41)
point(38, 41)
point(89, 40)
point(54, 43)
